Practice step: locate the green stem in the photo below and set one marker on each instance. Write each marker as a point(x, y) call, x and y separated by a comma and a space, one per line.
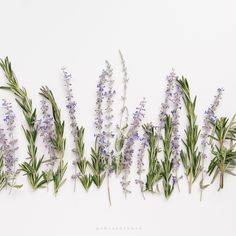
point(221, 180)
point(190, 182)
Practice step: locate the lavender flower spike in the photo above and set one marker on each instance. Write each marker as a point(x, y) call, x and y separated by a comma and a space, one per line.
point(108, 120)
point(165, 105)
point(46, 130)
point(131, 137)
point(71, 104)
point(108, 123)
point(80, 162)
point(9, 145)
point(99, 135)
point(140, 164)
point(210, 117)
point(206, 130)
point(175, 142)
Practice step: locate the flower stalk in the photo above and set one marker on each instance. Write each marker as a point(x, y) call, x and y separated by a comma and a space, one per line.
point(80, 163)
point(123, 124)
point(209, 118)
point(155, 137)
point(132, 136)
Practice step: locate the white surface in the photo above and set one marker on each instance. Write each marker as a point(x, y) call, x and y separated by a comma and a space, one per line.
point(197, 38)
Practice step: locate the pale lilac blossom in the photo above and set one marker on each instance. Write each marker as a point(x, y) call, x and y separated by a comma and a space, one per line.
point(8, 143)
point(131, 137)
point(171, 79)
point(175, 141)
point(46, 130)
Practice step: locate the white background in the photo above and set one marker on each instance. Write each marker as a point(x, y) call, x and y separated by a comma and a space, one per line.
point(197, 38)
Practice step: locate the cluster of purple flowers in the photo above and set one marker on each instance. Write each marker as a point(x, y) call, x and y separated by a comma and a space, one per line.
point(104, 112)
point(171, 78)
point(210, 117)
point(108, 124)
point(175, 142)
point(99, 135)
point(8, 144)
point(172, 99)
point(45, 127)
point(71, 106)
point(70, 103)
point(132, 136)
point(140, 157)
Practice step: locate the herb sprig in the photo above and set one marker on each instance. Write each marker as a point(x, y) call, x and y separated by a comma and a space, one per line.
point(223, 150)
point(58, 140)
point(32, 168)
point(80, 163)
point(123, 123)
point(167, 163)
point(191, 157)
point(154, 170)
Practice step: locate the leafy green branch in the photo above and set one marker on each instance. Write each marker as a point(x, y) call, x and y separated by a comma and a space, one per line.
point(191, 157)
point(82, 163)
point(97, 166)
point(31, 168)
point(154, 170)
point(59, 142)
point(223, 149)
point(167, 164)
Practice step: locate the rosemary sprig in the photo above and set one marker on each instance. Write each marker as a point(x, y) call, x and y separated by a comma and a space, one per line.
point(191, 157)
point(3, 177)
point(223, 149)
point(154, 170)
point(167, 164)
point(82, 163)
point(31, 168)
point(97, 166)
point(58, 140)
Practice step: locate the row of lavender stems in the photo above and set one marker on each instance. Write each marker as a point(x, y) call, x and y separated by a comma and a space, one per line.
point(106, 138)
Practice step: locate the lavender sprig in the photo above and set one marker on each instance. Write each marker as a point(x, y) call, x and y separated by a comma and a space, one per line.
point(131, 137)
point(123, 124)
point(166, 104)
point(80, 163)
point(8, 148)
point(175, 141)
point(209, 118)
point(108, 124)
point(46, 130)
point(155, 136)
point(32, 168)
point(140, 162)
point(58, 140)
point(97, 164)
point(11, 147)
